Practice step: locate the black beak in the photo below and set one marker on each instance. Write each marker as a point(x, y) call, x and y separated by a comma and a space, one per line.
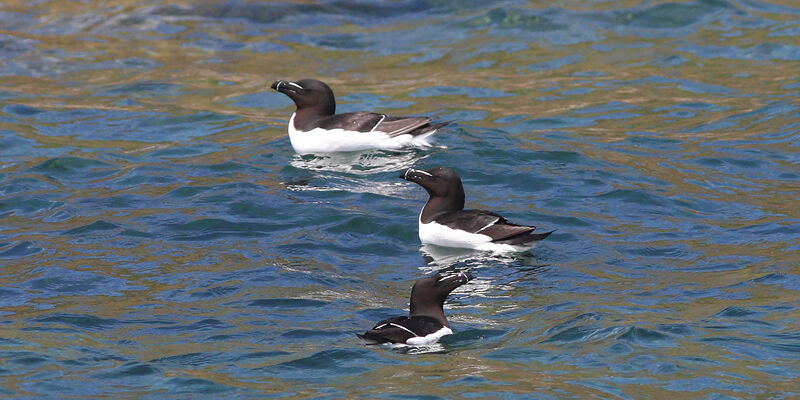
point(457, 279)
point(277, 85)
point(287, 87)
point(412, 174)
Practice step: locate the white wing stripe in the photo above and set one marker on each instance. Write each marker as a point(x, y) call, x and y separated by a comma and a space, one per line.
point(488, 225)
point(403, 328)
point(379, 122)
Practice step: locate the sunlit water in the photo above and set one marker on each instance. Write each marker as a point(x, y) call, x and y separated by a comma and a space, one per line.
point(159, 238)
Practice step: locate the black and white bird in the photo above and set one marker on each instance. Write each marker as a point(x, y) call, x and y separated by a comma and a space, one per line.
point(425, 323)
point(443, 220)
point(314, 127)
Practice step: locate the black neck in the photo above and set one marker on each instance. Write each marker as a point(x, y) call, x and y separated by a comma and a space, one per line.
point(304, 118)
point(434, 312)
point(440, 205)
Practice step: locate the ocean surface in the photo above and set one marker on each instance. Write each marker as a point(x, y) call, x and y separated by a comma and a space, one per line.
point(159, 238)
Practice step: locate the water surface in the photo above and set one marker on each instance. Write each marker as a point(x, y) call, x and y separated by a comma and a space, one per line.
point(159, 238)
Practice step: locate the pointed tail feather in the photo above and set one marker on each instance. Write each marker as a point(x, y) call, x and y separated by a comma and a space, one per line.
point(370, 341)
point(525, 238)
point(372, 338)
point(429, 129)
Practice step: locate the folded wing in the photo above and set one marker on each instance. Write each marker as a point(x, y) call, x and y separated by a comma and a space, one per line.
point(396, 126)
point(490, 224)
point(373, 122)
point(355, 121)
point(400, 329)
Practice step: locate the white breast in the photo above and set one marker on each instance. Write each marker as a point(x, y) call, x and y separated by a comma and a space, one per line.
point(320, 140)
point(430, 338)
point(441, 235)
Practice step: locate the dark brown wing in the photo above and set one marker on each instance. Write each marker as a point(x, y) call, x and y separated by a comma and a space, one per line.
point(388, 331)
point(486, 223)
point(369, 122)
point(355, 121)
point(400, 329)
point(396, 126)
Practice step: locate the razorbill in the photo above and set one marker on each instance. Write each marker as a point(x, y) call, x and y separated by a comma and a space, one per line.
point(425, 323)
point(315, 128)
point(443, 220)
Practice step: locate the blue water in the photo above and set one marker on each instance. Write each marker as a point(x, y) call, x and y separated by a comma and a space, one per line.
point(160, 239)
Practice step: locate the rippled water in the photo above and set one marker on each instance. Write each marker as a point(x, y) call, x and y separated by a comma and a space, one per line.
point(159, 238)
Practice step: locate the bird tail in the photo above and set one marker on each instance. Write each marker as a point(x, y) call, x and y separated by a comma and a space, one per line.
point(525, 238)
point(422, 136)
point(372, 339)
